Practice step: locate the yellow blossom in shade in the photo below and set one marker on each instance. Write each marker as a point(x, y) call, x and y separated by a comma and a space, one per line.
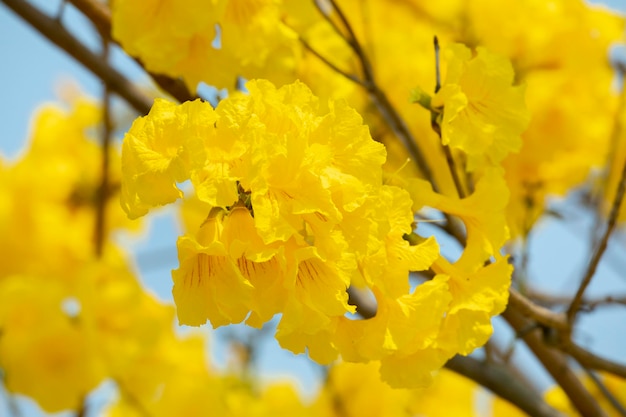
point(317, 298)
point(159, 151)
point(208, 285)
point(247, 38)
point(261, 264)
point(483, 114)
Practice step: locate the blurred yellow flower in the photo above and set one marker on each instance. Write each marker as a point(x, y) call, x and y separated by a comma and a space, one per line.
point(482, 113)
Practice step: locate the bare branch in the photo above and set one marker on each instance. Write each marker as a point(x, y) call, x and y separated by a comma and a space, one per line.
point(329, 64)
point(100, 16)
point(537, 313)
point(555, 363)
point(499, 380)
point(593, 361)
point(103, 189)
point(587, 304)
point(57, 34)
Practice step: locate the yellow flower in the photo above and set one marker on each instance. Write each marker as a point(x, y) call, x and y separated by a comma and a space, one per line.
point(476, 298)
point(482, 213)
point(483, 114)
point(44, 351)
point(297, 212)
point(187, 39)
point(208, 285)
point(159, 151)
point(406, 324)
point(261, 264)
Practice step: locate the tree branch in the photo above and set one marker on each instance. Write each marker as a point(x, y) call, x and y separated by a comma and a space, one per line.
point(499, 380)
point(58, 35)
point(593, 361)
point(378, 97)
point(555, 363)
point(535, 312)
point(103, 188)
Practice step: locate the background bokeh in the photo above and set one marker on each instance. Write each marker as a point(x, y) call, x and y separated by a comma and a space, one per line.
point(33, 71)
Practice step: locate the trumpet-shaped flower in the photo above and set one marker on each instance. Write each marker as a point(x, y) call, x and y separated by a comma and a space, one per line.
point(483, 114)
point(159, 151)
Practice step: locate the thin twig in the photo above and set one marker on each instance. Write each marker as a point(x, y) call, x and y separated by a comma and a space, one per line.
point(601, 246)
point(377, 95)
point(537, 313)
point(607, 394)
point(103, 189)
point(352, 40)
point(555, 363)
point(616, 132)
point(612, 155)
point(332, 66)
point(437, 68)
point(437, 129)
point(58, 35)
point(453, 171)
point(593, 361)
point(587, 304)
point(61, 10)
point(132, 399)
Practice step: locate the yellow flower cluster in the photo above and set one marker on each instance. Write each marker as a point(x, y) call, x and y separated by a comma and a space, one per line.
point(295, 213)
point(68, 320)
point(71, 320)
point(211, 41)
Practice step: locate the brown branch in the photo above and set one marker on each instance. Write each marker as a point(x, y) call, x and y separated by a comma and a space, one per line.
point(100, 16)
point(329, 64)
point(537, 313)
point(103, 189)
point(555, 363)
point(58, 35)
point(587, 304)
point(434, 124)
point(453, 171)
point(97, 12)
point(499, 380)
point(354, 43)
point(593, 361)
